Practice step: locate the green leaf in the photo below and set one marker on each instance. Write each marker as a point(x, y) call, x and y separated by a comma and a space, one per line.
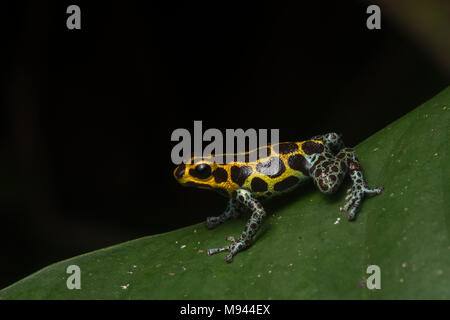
point(302, 250)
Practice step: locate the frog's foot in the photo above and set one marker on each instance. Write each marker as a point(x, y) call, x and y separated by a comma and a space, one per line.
point(354, 197)
point(233, 248)
point(231, 211)
point(211, 222)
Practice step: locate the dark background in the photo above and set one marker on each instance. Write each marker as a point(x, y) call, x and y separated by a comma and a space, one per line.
point(87, 114)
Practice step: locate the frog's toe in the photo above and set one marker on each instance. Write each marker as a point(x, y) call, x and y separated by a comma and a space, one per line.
point(210, 252)
point(229, 258)
point(211, 222)
point(354, 210)
point(348, 197)
point(229, 248)
point(354, 198)
point(349, 200)
point(353, 201)
point(376, 190)
point(347, 205)
point(233, 249)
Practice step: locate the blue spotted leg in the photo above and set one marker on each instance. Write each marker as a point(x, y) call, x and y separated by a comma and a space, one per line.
point(232, 210)
point(330, 168)
point(245, 198)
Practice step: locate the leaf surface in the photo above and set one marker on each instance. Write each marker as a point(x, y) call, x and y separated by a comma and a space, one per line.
point(306, 248)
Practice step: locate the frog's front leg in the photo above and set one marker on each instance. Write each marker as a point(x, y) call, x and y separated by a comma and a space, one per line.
point(232, 210)
point(329, 171)
point(245, 198)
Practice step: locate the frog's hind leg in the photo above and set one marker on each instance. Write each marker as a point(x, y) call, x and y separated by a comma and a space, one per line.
point(329, 171)
point(332, 141)
point(359, 188)
point(232, 210)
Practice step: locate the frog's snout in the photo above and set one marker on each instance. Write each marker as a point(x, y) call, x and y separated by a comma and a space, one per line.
point(179, 171)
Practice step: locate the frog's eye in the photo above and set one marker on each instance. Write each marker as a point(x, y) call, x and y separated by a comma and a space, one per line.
point(201, 171)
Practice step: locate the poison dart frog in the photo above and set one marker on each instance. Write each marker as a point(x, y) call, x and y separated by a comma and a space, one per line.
point(284, 166)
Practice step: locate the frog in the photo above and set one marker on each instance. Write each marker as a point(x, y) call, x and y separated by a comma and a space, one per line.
point(253, 177)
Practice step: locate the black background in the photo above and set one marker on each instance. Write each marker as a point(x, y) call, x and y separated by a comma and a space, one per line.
point(87, 114)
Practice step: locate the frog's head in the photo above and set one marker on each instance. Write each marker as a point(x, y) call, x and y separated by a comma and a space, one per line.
point(197, 173)
point(203, 174)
